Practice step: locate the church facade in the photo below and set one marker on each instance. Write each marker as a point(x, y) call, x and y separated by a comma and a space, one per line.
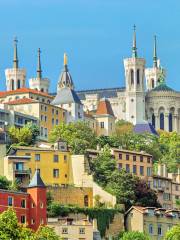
point(145, 97)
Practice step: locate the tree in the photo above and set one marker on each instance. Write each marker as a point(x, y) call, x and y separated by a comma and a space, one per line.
point(4, 183)
point(22, 136)
point(103, 166)
point(9, 228)
point(134, 235)
point(173, 233)
point(112, 141)
point(123, 127)
point(46, 233)
point(78, 135)
point(144, 195)
point(34, 130)
point(122, 185)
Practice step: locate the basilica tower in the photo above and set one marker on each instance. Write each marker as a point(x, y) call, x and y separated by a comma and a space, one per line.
point(135, 93)
point(39, 83)
point(153, 74)
point(15, 77)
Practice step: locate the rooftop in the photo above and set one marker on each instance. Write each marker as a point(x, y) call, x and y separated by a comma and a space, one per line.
point(36, 181)
point(104, 108)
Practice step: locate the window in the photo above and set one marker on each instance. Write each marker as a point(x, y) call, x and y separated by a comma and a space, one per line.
point(64, 230)
point(127, 157)
point(159, 230)
point(18, 84)
point(150, 229)
point(81, 230)
point(52, 121)
point(170, 122)
point(152, 83)
point(56, 112)
point(41, 205)
point(162, 121)
point(42, 131)
point(53, 111)
point(32, 221)
point(141, 158)
point(55, 173)
point(56, 158)
point(149, 172)
point(10, 201)
point(177, 188)
point(138, 76)
point(45, 118)
point(148, 159)
point(141, 170)
point(57, 122)
point(43, 100)
point(32, 205)
point(37, 157)
point(134, 169)
point(23, 203)
point(23, 219)
point(86, 201)
point(102, 124)
point(41, 107)
point(12, 84)
point(119, 166)
point(134, 158)
point(132, 76)
point(45, 109)
point(120, 155)
point(45, 132)
point(42, 117)
point(153, 120)
point(127, 168)
point(65, 159)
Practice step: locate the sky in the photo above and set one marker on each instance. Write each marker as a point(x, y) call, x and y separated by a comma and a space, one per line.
point(95, 34)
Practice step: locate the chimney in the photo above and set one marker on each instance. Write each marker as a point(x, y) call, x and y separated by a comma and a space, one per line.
point(165, 173)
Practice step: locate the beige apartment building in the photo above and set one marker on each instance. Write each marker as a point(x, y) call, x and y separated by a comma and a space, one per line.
point(152, 221)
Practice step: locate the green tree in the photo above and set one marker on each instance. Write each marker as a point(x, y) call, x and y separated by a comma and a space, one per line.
point(123, 127)
point(4, 183)
point(22, 136)
point(122, 185)
point(9, 227)
point(46, 233)
point(103, 166)
point(34, 130)
point(78, 135)
point(173, 233)
point(134, 235)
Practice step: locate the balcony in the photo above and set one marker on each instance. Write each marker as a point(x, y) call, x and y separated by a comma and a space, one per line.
point(22, 172)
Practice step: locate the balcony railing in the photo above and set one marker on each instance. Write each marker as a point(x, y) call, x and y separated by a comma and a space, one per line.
point(22, 172)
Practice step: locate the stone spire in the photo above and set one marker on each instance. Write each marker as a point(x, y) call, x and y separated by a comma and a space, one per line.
point(155, 59)
point(39, 70)
point(134, 48)
point(15, 60)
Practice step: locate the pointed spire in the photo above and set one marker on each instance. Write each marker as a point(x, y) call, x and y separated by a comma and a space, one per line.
point(65, 59)
point(134, 48)
point(15, 60)
point(155, 59)
point(36, 180)
point(39, 70)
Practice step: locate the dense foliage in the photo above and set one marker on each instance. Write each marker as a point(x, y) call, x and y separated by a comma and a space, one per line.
point(11, 229)
point(134, 235)
point(6, 184)
point(78, 135)
point(103, 216)
point(26, 135)
point(173, 233)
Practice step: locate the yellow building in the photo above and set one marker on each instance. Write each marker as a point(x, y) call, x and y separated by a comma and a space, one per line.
point(71, 229)
point(152, 221)
point(52, 163)
point(47, 114)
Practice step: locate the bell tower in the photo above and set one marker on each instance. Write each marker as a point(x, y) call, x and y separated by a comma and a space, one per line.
point(134, 78)
point(39, 83)
point(153, 74)
point(15, 77)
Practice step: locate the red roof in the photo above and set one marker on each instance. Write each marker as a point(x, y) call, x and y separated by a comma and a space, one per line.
point(104, 107)
point(24, 90)
point(21, 101)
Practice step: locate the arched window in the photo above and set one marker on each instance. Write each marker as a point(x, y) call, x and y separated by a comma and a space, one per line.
point(132, 76)
point(18, 84)
point(86, 201)
point(170, 122)
point(152, 83)
point(153, 120)
point(12, 84)
point(162, 121)
point(138, 76)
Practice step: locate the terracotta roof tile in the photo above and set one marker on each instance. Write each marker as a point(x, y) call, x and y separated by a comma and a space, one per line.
point(24, 90)
point(104, 107)
point(21, 101)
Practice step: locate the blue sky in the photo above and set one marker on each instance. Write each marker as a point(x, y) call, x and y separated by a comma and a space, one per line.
point(96, 34)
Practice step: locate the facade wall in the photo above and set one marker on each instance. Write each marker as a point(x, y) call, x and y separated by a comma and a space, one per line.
point(2, 155)
point(80, 196)
point(47, 164)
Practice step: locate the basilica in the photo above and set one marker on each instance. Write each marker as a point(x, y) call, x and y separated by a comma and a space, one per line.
point(145, 98)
